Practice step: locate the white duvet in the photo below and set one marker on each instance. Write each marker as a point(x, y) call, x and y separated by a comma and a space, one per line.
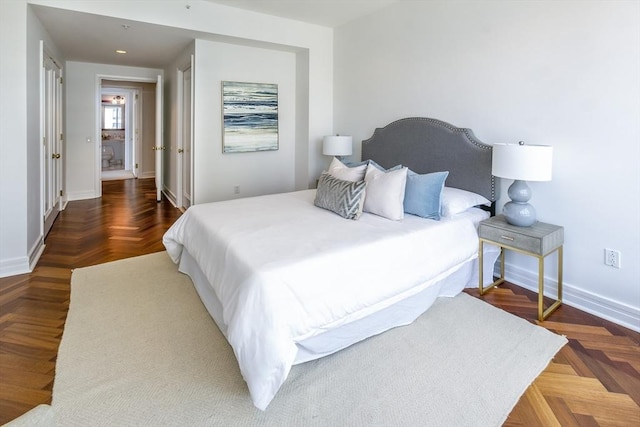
point(286, 270)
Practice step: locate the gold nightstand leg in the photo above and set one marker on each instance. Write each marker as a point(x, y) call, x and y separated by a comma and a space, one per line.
point(541, 288)
point(560, 263)
point(481, 287)
point(502, 264)
point(542, 313)
point(480, 264)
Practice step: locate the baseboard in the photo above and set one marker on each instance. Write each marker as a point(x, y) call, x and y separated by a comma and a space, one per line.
point(35, 253)
point(170, 197)
point(24, 264)
point(81, 195)
point(14, 266)
point(613, 311)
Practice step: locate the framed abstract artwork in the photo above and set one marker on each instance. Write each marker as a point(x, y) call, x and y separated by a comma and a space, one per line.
point(250, 117)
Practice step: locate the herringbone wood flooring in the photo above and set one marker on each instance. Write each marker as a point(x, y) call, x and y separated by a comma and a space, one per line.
point(594, 380)
point(125, 222)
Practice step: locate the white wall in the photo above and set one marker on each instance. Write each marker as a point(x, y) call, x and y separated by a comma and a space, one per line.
point(13, 138)
point(82, 165)
point(215, 173)
point(21, 239)
point(36, 35)
point(562, 73)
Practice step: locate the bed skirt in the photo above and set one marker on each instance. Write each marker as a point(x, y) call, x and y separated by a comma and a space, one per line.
point(402, 313)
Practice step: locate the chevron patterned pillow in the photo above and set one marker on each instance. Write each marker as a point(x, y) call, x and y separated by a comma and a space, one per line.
point(342, 197)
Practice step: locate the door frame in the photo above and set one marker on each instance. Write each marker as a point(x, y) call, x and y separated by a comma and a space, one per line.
point(97, 183)
point(136, 130)
point(180, 159)
point(159, 144)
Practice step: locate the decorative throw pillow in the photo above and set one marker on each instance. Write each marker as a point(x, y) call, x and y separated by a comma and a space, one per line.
point(351, 164)
point(345, 173)
point(342, 197)
point(385, 192)
point(455, 201)
point(423, 194)
point(373, 163)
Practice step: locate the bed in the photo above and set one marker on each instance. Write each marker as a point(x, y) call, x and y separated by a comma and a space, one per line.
point(287, 281)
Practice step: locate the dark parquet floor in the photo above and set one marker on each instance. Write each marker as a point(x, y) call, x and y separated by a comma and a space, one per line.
point(592, 381)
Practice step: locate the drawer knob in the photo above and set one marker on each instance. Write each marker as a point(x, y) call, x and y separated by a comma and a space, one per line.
point(509, 238)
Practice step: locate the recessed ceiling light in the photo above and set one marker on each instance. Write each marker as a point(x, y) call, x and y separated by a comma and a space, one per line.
point(121, 51)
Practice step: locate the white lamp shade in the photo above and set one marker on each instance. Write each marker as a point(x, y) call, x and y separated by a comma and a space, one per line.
point(336, 145)
point(522, 162)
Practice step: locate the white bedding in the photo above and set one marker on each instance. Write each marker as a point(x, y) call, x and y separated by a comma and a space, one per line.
point(285, 270)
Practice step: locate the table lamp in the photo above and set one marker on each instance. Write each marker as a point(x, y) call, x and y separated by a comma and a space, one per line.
point(521, 163)
point(337, 146)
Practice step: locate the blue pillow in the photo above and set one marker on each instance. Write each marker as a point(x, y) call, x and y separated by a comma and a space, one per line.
point(423, 194)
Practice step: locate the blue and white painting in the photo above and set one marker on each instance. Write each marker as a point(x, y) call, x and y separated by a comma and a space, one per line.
point(250, 117)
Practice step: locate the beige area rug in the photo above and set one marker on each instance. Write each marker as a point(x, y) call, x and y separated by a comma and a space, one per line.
point(140, 349)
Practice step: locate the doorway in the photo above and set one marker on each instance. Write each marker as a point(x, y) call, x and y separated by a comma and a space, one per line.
point(128, 127)
point(118, 113)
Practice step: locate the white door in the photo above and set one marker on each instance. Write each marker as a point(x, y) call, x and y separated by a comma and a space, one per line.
point(51, 141)
point(159, 147)
point(185, 153)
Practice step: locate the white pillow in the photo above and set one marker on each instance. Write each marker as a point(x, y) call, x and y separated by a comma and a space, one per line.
point(455, 201)
point(339, 170)
point(385, 192)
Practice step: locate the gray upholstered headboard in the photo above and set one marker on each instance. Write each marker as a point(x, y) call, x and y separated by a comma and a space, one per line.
point(428, 145)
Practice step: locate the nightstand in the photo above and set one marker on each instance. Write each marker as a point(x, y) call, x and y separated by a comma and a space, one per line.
point(539, 240)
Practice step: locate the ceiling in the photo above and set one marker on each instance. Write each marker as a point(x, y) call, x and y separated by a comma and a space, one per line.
point(92, 38)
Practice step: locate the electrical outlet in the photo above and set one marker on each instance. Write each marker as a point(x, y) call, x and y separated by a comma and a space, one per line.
point(236, 189)
point(612, 258)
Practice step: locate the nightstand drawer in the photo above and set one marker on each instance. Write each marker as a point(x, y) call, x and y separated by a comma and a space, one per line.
point(539, 239)
point(515, 240)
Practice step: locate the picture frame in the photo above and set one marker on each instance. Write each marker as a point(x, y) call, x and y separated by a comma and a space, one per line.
point(250, 117)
